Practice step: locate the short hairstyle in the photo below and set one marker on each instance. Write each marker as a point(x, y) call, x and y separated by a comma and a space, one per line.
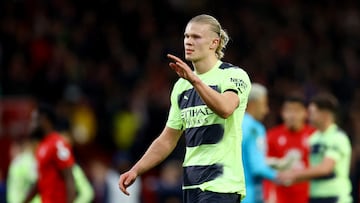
point(47, 111)
point(326, 101)
point(296, 97)
point(215, 27)
point(257, 91)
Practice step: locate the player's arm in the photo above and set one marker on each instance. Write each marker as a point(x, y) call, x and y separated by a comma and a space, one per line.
point(31, 193)
point(325, 168)
point(161, 147)
point(85, 192)
point(14, 184)
point(69, 183)
point(257, 161)
point(223, 104)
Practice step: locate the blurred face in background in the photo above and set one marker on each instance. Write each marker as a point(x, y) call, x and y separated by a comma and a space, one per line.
point(36, 131)
point(260, 107)
point(34, 120)
point(316, 116)
point(199, 41)
point(294, 115)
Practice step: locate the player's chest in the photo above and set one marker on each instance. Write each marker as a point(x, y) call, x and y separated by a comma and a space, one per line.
point(44, 154)
point(286, 141)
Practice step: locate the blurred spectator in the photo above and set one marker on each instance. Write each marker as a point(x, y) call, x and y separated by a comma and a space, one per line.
point(355, 168)
point(83, 121)
point(104, 177)
point(287, 148)
point(55, 159)
point(22, 172)
point(98, 171)
point(126, 126)
point(169, 183)
point(84, 190)
point(330, 155)
point(121, 163)
point(2, 189)
point(253, 145)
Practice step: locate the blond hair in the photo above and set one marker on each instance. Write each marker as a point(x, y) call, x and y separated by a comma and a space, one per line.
point(215, 27)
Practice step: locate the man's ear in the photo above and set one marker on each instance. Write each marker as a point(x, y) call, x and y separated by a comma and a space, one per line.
point(215, 43)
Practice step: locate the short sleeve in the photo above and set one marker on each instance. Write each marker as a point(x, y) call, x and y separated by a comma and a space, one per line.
point(83, 186)
point(336, 149)
point(236, 79)
point(63, 154)
point(174, 119)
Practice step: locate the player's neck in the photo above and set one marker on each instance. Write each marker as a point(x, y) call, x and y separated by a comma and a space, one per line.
point(325, 125)
point(203, 66)
point(48, 130)
point(296, 128)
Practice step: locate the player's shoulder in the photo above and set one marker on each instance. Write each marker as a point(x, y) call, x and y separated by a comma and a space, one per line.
point(229, 67)
point(226, 65)
point(340, 136)
point(252, 126)
point(275, 130)
point(309, 129)
point(56, 137)
point(181, 85)
point(235, 73)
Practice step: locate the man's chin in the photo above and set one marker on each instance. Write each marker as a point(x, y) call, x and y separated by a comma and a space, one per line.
point(192, 59)
point(188, 58)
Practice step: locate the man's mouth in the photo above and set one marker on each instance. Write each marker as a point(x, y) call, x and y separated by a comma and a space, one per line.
point(189, 51)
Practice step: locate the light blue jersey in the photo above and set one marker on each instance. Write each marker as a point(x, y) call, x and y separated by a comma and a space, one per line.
point(254, 163)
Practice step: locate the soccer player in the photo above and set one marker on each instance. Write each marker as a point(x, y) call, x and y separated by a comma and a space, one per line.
point(55, 160)
point(207, 105)
point(330, 155)
point(255, 166)
point(287, 148)
point(22, 172)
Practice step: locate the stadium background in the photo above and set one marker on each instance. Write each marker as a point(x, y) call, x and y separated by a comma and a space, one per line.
point(103, 65)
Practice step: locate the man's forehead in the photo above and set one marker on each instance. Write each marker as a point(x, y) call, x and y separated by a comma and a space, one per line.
point(196, 27)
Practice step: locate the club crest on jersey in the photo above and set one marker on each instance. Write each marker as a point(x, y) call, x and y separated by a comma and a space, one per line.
point(63, 153)
point(240, 84)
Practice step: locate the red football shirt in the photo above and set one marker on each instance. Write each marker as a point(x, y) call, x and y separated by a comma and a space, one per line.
point(53, 155)
point(280, 142)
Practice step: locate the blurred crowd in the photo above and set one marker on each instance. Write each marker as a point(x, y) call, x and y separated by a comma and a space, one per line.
point(103, 64)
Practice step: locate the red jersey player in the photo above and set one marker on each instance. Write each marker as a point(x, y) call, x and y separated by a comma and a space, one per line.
point(55, 161)
point(288, 148)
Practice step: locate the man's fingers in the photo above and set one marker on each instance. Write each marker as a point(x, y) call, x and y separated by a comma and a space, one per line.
point(125, 191)
point(172, 65)
point(179, 66)
point(127, 182)
point(123, 184)
point(175, 58)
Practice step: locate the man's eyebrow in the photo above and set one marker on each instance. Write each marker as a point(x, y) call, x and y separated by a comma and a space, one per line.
point(192, 34)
